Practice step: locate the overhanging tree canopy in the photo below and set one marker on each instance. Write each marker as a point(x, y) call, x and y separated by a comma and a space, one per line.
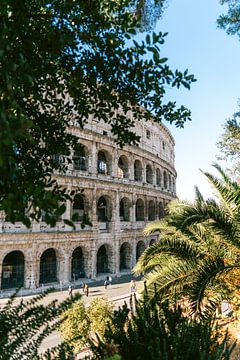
point(65, 60)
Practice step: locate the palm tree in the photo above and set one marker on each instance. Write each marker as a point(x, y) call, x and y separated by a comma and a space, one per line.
point(199, 247)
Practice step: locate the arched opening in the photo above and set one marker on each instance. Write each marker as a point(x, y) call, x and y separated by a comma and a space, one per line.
point(151, 210)
point(161, 210)
point(102, 210)
point(102, 260)
point(137, 170)
point(125, 256)
point(80, 159)
point(149, 174)
point(158, 177)
point(169, 182)
point(165, 181)
point(13, 270)
point(103, 163)
point(77, 264)
point(78, 207)
point(140, 249)
point(122, 171)
point(139, 210)
point(48, 267)
point(124, 209)
point(152, 242)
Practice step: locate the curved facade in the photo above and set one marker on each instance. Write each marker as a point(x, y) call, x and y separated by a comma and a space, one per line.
point(124, 189)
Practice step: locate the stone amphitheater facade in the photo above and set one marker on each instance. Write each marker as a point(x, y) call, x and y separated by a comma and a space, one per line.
point(124, 189)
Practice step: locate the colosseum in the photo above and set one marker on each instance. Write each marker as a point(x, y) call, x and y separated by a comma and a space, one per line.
point(124, 189)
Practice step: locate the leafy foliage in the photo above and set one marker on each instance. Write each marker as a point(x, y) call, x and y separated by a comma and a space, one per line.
point(229, 143)
point(61, 63)
point(156, 331)
point(230, 21)
point(25, 325)
point(198, 248)
point(82, 325)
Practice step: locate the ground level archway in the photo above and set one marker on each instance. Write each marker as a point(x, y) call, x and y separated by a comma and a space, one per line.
point(125, 257)
point(13, 270)
point(48, 267)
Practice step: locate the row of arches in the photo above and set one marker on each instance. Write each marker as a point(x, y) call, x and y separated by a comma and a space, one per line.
point(163, 178)
point(13, 266)
point(151, 211)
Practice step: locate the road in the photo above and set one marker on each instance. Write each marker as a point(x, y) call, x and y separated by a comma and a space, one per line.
point(118, 292)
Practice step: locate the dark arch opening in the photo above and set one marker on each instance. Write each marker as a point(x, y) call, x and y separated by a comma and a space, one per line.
point(137, 170)
point(48, 267)
point(13, 270)
point(122, 171)
point(77, 264)
point(149, 174)
point(80, 159)
point(102, 260)
point(139, 210)
point(151, 210)
point(125, 257)
point(124, 209)
point(102, 209)
point(140, 249)
point(152, 242)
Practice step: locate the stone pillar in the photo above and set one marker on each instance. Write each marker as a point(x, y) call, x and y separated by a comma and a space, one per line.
point(133, 252)
point(93, 160)
point(64, 272)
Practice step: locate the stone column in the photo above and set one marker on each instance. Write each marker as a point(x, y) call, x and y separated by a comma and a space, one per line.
point(93, 160)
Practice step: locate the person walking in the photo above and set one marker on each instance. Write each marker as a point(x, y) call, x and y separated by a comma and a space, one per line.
point(70, 290)
point(110, 280)
point(133, 286)
point(86, 289)
point(106, 284)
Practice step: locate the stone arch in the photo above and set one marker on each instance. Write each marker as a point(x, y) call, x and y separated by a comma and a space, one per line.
point(160, 210)
point(137, 170)
point(149, 174)
point(78, 207)
point(123, 168)
point(152, 242)
point(124, 209)
point(140, 249)
point(169, 182)
point(165, 180)
point(158, 177)
point(13, 270)
point(104, 209)
point(48, 267)
point(125, 256)
point(139, 210)
point(77, 264)
point(151, 210)
point(104, 162)
point(80, 158)
point(103, 255)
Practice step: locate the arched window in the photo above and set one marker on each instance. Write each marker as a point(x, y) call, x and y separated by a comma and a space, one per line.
point(158, 177)
point(149, 174)
point(77, 264)
point(78, 207)
point(125, 256)
point(48, 267)
point(102, 260)
point(103, 166)
point(139, 210)
point(124, 210)
point(137, 170)
point(122, 167)
point(13, 270)
point(140, 249)
point(151, 210)
point(80, 159)
point(152, 242)
point(161, 210)
point(165, 181)
point(169, 182)
point(102, 209)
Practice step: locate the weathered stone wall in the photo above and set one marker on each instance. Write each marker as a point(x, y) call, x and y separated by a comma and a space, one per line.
point(119, 237)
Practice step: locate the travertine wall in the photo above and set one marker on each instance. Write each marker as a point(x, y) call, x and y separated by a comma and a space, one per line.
point(118, 235)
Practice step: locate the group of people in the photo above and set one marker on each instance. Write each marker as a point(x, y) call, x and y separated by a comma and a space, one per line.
point(85, 289)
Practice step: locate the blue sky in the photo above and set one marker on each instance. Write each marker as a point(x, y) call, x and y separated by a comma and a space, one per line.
point(195, 42)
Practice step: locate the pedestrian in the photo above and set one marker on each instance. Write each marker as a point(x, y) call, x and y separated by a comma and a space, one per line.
point(133, 286)
point(83, 287)
point(86, 289)
point(70, 290)
point(105, 284)
point(110, 280)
